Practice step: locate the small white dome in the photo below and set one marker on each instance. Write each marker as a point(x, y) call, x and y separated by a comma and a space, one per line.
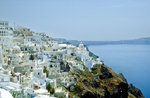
point(16, 47)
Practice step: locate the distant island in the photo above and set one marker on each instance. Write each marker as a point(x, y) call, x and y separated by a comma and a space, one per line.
point(144, 41)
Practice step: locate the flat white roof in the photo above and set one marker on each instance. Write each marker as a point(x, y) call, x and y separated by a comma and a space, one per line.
point(5, 94)
point(41, 91)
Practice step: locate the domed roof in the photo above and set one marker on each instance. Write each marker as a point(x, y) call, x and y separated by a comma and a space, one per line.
point(5, 94)
point(16, 47)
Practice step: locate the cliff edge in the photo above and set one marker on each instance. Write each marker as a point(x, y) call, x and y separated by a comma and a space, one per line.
point(102, 82)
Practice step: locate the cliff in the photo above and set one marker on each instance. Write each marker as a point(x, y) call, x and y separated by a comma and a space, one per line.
point(102, 82)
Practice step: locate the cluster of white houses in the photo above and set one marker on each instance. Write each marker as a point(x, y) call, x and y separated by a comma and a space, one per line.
point(24, 55)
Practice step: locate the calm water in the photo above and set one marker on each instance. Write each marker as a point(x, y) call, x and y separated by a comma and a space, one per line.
point(131, 60)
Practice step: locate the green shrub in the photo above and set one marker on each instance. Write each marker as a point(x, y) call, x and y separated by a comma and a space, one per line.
point(77, 90)
point(50, 89)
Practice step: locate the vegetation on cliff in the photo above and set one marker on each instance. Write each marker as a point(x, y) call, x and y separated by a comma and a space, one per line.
point(102, 82)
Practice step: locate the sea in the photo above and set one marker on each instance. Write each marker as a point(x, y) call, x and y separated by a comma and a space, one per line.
point(131, 60)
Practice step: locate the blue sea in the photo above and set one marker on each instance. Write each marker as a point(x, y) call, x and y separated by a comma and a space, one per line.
point(131, 60)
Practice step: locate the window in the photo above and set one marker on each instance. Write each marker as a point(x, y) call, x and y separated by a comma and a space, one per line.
point(2, 80)
point(51, 66)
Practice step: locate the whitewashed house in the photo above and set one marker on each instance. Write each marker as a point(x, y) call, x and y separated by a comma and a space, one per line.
point(3, 28)
point(38, 73)
point(7, 41)
point(4, 77)
point(34, 39)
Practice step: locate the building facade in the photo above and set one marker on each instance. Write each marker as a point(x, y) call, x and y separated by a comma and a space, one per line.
point(3, 28)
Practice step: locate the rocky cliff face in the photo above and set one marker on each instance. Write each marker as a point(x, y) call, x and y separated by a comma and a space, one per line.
point(102, 82)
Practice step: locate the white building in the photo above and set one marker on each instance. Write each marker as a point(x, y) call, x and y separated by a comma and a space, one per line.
point(4, 76)
point(35, 39)
point(38, 73)
point(5, 94)
point(7, 40)
point(84, 54)
point(3, 28)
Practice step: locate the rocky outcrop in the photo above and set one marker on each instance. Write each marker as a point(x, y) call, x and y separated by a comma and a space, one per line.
point(91, 95)
point(103, 82)
point(135, 91)
point(105, 73)
point(122, 77)
point(120, 91)
point(93, 83)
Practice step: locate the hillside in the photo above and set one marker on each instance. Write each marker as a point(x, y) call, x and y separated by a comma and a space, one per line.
point(102, 82)
point(34, 65)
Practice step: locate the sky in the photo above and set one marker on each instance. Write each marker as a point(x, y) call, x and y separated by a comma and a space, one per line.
point(99, 20)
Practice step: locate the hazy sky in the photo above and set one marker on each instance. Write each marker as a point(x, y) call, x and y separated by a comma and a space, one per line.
point(81, 19)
